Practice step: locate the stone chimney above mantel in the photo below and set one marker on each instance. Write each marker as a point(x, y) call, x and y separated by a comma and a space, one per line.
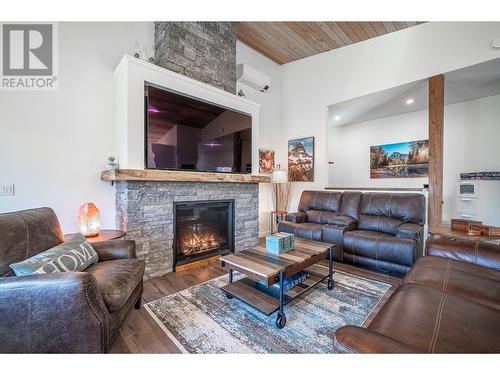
point(205, 51)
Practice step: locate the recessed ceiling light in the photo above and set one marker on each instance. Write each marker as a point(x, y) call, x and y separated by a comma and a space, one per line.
point(337, 118)
point(410, 101)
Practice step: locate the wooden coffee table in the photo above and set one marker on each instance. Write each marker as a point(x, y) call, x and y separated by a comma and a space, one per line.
point(268, 269)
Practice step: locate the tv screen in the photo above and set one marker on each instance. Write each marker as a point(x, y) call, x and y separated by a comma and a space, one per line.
point(183, 133)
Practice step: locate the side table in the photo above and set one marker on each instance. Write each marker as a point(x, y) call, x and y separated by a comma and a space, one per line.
point(276, 217)
point(104, 235)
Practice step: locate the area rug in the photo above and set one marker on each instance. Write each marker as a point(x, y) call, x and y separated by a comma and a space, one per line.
point(202, 320)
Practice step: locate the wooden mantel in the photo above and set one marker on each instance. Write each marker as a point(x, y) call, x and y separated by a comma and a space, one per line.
point(182, 176)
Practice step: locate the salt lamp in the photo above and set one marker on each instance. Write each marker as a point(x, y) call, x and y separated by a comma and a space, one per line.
point(89, 220)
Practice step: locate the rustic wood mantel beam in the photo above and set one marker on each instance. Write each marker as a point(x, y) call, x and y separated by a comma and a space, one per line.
point(436, 128)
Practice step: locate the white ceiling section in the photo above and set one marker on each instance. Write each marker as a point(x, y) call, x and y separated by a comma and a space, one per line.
point(474, 82)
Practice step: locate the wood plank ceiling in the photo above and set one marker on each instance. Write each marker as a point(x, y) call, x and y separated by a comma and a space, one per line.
point(284, 42)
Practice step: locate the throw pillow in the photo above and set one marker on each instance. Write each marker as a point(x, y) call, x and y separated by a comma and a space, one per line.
point(74, 255)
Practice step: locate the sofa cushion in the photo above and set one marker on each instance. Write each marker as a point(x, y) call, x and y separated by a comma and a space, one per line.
point(74, 255)
point(320, 217)
point(311, 231)
point(475, 283)
point(435, 322)
point(384, 224)
point(349, 206)
point(116, 279)
point(320, 200)
point(407, 208)
point(378, 245)
point(476, 252)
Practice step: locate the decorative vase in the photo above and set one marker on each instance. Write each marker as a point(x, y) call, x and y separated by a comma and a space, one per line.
point(89, 220)
point(137, 50)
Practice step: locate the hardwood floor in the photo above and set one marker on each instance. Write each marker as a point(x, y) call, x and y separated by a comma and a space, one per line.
point(140, 334)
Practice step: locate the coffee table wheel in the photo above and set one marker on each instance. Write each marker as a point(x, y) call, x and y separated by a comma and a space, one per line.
point(280, 321)
point(330, 284)
point(229, 296)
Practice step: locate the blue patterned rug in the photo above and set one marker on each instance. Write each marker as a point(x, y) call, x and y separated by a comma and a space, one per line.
point(202, 320)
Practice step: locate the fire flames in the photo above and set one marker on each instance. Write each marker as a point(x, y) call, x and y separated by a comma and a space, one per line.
point(197, 243)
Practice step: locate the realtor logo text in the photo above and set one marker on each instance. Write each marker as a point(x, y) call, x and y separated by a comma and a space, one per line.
point(29, 58)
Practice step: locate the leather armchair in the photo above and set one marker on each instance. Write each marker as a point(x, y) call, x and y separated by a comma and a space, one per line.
point(53, 313)
point(68, 312)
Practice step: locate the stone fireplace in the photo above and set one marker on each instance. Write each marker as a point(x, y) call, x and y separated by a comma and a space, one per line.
point(146, 211)
point(202, 229)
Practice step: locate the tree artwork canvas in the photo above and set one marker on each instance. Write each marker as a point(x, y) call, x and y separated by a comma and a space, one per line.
point(400, 160)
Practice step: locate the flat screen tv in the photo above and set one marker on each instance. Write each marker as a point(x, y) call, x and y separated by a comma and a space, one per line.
point(184, 133)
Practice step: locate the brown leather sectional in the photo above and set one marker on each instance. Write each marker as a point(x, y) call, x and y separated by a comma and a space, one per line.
point(377, 230)
point(67, 312)
point(448, 303)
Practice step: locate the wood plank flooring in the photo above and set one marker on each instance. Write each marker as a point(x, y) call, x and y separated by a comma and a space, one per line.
point(140, 334)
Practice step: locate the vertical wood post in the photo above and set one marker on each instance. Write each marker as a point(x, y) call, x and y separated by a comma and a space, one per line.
point(436, 127)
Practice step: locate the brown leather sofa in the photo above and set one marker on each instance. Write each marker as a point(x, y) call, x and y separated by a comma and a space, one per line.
point(377, 230)
point(68, 312)
point(448, 303)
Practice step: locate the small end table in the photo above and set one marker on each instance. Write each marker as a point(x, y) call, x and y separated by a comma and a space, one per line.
point(276, 217)
point(104, 235)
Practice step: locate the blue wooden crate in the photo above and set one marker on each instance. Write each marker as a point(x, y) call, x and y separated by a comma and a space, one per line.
point(275, 244)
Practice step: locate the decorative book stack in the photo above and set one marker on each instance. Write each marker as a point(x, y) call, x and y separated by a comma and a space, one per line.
point(280, 242)
point(289, 283)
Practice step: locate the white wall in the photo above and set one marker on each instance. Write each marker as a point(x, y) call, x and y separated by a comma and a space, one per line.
point(471, 144)
point(54, 145)
point(310, 85)
point(349, 148)
point(270, 120)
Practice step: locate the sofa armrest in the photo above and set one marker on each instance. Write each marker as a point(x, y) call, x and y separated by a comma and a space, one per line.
point(115, 249)
point(296, 217)
point(342, 221)
point(477, 252)
point(352, 339)
point(410, 230)
point(52, 313)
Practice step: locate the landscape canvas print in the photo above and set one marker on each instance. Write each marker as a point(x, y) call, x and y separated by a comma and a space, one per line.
point(301, 159)
point(405, 159)
point(266, 160)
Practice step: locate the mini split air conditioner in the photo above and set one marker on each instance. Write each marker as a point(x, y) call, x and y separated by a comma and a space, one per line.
point(252, 77)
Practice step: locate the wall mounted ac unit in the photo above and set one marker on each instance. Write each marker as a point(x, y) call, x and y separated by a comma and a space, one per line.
point(252, 77)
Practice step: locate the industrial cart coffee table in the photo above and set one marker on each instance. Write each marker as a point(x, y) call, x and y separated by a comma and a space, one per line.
point(268, 269)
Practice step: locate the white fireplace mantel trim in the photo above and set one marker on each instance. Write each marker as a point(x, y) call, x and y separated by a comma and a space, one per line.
point(130, 76)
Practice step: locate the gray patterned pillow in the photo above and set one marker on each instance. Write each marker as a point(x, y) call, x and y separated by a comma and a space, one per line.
point(74, 255)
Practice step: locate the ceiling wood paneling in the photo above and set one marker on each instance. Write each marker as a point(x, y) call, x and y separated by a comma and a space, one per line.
point(284, 42)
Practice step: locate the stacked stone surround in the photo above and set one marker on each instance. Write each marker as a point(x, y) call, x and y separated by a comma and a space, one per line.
point(144, 210)
point(205, 51)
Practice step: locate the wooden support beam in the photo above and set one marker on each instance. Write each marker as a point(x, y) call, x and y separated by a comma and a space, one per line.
point(436, 128)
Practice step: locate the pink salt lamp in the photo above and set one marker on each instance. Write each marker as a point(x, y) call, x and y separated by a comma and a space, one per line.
point(89, 220)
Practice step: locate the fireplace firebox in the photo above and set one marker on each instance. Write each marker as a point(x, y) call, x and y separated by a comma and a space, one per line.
point(202, 229)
